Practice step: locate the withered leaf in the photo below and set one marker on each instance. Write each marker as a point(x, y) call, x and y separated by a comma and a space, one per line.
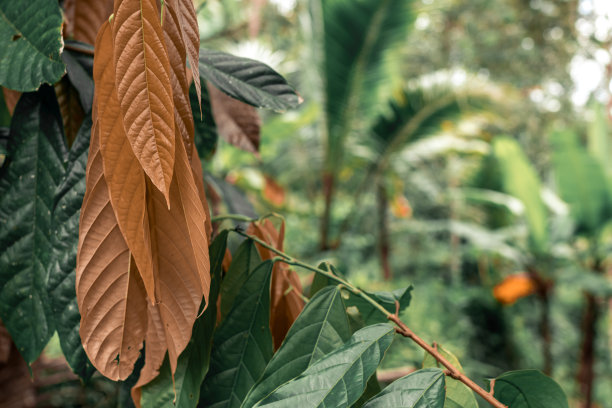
point(238, 123)
point(142, 71)
point(191, 37)
point(10, 98)
point(85, 17)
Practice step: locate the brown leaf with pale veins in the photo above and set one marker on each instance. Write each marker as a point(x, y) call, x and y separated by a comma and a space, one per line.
point(198, 176)
point(191, 38)
point(180, 250)
point(238, 123)
point(70, 108)
point(155, 351)
point(10, 98)
point(124, 176)
point(110, 293)
point(142, 72)
point(285, 288)
point(85, 17)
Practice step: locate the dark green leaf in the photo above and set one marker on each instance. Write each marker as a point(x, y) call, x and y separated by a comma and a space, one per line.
point(321, 328)
point(320, 281)
point(194, 361)
point(247, 80)
point(372, 315)
point(242, 345)
point(529, 389)
point(421, 389)
point(28, 181)
point(30, 44)
point(233, 197)
point(80, 77)
point(206, 135)
point(243, 263)
point(458, 395)
point(339, 378)
point(65, 240)
point(372, 388)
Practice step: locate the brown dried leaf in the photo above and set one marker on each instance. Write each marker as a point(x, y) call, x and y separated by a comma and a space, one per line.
point(198, 176)
point(10, 98)
point(70, 108)
point(285, 288)
point(16, 388)
point(110, 293)
point(142, 72)
point(238, 123)
point(191, 38)
point(180, 250)
point(85, 17)
point(5, 344)
point(273, 192)
point(122, 171)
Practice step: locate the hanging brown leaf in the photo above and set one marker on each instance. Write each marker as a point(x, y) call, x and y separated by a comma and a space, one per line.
point(155, 351)
point(180, 250)
point(70, 108)
point(285, 288)
point(5, 344)
point(10, 98)
point(109, 291)
point(198, 176)
point(122, 171)
point(238, 123)
point(273, 192)
point(85, 17)
point(191, 38)
point(142, 72)
point(16, 387)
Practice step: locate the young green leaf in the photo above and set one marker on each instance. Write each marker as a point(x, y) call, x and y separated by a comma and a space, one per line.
point(458, 395)
point(194, 361)
point(242, 345)
point(387, 299)
point(421, 389)
point(28, 181)
point(339, 378)
point(65, 240)
point(247, 80)
point(321, 328)
point(245, 261)
point(30, 44)
point(529, 389)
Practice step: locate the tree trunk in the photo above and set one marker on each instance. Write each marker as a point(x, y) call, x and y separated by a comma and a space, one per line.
point(328, 193)
point(587, 350)
point(384, 247)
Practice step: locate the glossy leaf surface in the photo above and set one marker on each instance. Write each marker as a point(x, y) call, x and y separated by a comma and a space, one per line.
point(386, 299)
point(421, 389)
point(529, 389)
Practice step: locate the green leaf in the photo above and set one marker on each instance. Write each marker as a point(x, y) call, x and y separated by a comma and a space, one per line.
point(339, 378)
point(372, 315)
point(30, 44)
point(458, 395)
point(320, 281)
point(581, 181)
point(206, 135)
point(321, 328)
point(64, 240)
point(521, 180)
point(242, 345)
point(529, 389)
point(193, 363)
point(28, 180)
point(421, 389)
point(80, 77)
point(247, 80)
point(243, 264)
point(372, 388)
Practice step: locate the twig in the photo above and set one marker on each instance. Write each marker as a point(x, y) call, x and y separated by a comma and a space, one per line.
point(401, 327)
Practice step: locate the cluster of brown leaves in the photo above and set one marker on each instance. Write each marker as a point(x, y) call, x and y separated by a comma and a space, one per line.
point(143, 272)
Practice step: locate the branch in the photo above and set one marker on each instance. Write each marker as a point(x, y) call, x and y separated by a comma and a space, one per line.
point(401, 327)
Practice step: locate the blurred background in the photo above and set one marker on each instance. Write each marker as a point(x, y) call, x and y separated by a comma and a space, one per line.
point(462, 147)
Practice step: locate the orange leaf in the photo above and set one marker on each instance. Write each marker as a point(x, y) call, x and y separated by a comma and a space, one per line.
point(513, 288)
point(122, 171)
point(273, 192)
point(10, 98)
point(285, 289)
point(108, 288)
point(238, 123)
point(191, 38)
point(85, 17)
point(70, 108)
point(198, 175)
point(400, 207)
point(142, 72)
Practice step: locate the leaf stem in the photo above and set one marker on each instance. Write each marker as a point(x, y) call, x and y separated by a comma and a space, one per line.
point(401, 327)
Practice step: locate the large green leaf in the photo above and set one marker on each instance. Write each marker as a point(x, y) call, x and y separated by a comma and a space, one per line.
point(320, 281)
point(30, 44)
point(243, 263)
point(28, 180)
point(421, 389)
point(206, 135)
point(529, 389)
point(339, 378)
point(458, 395)
point(321, 328)
point(80, 76)
point(521, 180)
point(581, 181)
point(247, 80)
point(64, 240)
point(388, 300)
point(242, 345)
point(194, 361)
point(372, 388)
